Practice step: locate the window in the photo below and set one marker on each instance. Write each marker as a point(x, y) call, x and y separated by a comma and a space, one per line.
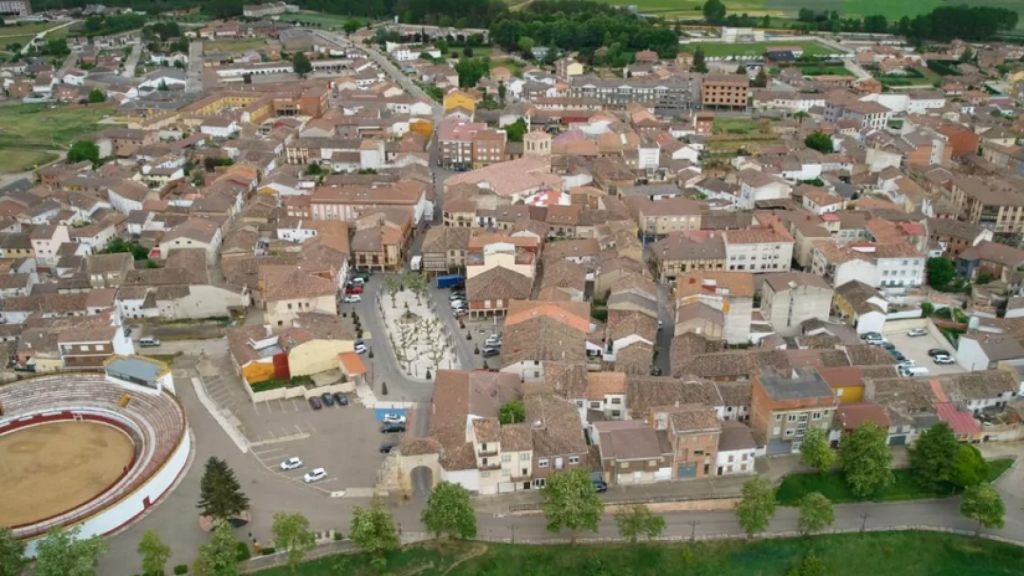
point(778, 417)
point(816, 416)
point(595, 405)
point(579, 403)
point(506, 457)
point(616, 413)
point(791, 418)
point(789, 432)
point(506, 473)
point(523, 456)
point(542, 463)
point(574, 459)
point(616, 400)
point(731, 458)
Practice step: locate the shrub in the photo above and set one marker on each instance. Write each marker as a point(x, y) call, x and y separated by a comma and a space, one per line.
point(243, 552)
point(337, 535)
point(927, 308)
point(181, 569)
point(267, 551)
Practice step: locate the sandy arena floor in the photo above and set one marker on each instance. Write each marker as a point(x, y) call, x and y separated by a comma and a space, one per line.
point(53, 468)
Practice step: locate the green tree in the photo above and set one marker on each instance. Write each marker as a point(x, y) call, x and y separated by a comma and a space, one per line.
point(755, 510)
point(351, 25)
point(570, 501)
point(62, 553)
point(931, 456)
point(512, 412)
point(516, 130)
point(966, 56)
point(816, 513)
point(450, 512)
point(96, 96)
point(638, 520)
point(811, 565)
point(815, 451)
point(819, 141)
point(471, 70)
point(292, 535)
point(416, 283)
point(699, 61)
point(301, 64)
point(761, 80)
point(969, 467)
point(866, 460)
point(12, 553)
point(526, 44)
point(984, 504)
point(219, 556)
point(154, 552)
point(84, 150)
point(741, 69)
point(502, 91)
point(940, 272)
point(220, 494)
point(392, 284)
point(714, 11)
point(373, 529)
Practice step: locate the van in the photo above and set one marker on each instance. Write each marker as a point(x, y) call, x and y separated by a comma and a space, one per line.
point(908, 371)
point(148, 342)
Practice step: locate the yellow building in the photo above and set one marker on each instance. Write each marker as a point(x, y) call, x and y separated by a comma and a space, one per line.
point(847, 382)
point(459, 99)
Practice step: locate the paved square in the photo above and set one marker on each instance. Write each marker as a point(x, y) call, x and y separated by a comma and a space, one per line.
point(917, 348)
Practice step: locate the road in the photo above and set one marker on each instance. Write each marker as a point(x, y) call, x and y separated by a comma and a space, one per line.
point(69, 63)
point(132, 62)
point(42, 35)
point(194, 80)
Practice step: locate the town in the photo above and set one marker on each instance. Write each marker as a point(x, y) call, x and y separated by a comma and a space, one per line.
point(289, 290)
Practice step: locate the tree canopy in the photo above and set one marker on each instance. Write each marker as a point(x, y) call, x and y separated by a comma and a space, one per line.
point(969, 467)
point(449, 511)
point(12, 553)
point(866, 460)
point(637, 520)
point(219, 556)
point(757, 506)
point(931, 456)
point(84, 150)
point(293, 536)
point(62, 553)
point(471, 70)
point(301, 64)
point(373, 529)
point(816, 513)
point(984, 504)
point(154, 552)
point(815, 450)
point(570, 502)
point(714, 11)
point(940, 272)
point(819, 141)
point(220, 494)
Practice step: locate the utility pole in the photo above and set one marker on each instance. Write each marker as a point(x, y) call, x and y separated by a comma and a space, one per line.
point(513, 527)
point(693, 531)
point(864, 521)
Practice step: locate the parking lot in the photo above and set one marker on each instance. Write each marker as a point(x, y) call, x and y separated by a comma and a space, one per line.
point(480, 328)
point(916, 349)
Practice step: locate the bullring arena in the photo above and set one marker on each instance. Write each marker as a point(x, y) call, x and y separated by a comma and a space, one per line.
point(85, 450)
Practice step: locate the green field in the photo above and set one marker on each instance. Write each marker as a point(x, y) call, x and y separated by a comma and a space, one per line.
point(754, 49)
point(832, 485)
point(24, 34)
point(325, 20)
point(39, 127)
point(225, 47)
point(23, 160)
point(872, 553)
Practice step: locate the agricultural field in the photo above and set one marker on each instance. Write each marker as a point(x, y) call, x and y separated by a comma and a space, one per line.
point(755, 49)
point(12, 161)
point(324, 20)
point(223, 47)
point(40, 127)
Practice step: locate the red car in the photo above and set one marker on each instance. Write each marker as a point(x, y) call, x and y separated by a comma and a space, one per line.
point(354, 290)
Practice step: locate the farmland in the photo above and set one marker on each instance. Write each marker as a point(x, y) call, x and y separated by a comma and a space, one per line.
point(39, 127)
point(26, 32)
point(22, 160)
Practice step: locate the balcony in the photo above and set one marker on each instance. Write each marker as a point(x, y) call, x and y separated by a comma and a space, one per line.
point(490, 465)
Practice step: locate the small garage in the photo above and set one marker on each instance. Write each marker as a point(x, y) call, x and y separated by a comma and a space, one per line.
point(900, 440)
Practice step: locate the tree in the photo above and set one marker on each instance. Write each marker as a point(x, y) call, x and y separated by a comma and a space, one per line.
point(969, 467)
point(502, 91)
point(512, 412)
point(292, 535)
point(96, 96)
point(931, 456)
point(220, 494)
point(62, 553)
point(449, 511)
point(699, 63)
point(940, 272)
point(416, 283)
point(219, 556)
point(570, 501)
point(392, 284)
point(815, 451)
point(816, 513)
point(761, 80)
point(373, 529)
point(526, 44)
point(154, 552)
point(755, 510)
point(866, 460)
point(84, 150)
point(516, 130)
point(819, 141)
point(638, 520)
point(351, 25)
point(984, 504)
point(714, 11)
point(741, 69)
point(12, 553)
point(966, 56)
point(301, 64)
point(471, 70)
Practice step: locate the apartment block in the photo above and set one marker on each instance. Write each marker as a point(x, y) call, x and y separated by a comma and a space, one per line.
point(675, 93)
point(725, 91)
point(785, 405)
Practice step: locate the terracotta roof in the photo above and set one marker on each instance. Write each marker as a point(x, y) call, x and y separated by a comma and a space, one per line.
point(739, 284)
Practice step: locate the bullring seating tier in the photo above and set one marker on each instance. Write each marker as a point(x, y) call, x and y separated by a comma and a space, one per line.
point(155, 418)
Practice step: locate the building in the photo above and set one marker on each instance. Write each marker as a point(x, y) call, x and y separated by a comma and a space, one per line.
point(672, 94)
point(760, 249)
point(992, 203)
point(682, 252)
point(988, 258)
point(788, 299)
point(193, 233)
point(693, 432)
point(632, 452)
point(465, 145)
point(785, 405)
point(15, 8)
point(725, 91)
point(287, 291)
point(659, 218)
point(861, 305)
point(717, 305)
point(736, 449)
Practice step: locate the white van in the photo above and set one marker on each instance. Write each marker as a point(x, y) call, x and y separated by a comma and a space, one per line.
point(908, 371)
point(148, 342)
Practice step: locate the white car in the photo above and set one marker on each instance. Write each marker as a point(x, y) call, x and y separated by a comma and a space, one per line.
point(917, 332)
point(357, 281)
point(291, 464)
point(351, 298)
point(456, 304)
point(315, 475)
point(494, 341)
point(944, 359)
point(394, 418)
point(360, 348)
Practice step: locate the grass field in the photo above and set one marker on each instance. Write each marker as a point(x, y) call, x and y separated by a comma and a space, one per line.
point(24, 34)
point(832, 485)
point(325, 20)
point(724, 50)
point(232, 46)
point(39, 127)
point(23, 160)
point(875, 553)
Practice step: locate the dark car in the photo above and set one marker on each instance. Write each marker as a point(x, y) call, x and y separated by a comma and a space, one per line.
point(600, 485)
point(898, 355)
point(937, 352)
point(327, 398)
point(888, 346)
point(341, 398)
point(392, 427)
point(489, 352)
point(315, 403)
point(387, 447)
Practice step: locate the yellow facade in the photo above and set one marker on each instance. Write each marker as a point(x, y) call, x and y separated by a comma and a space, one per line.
point(258, 372)
point(317, 356)
point(459, 99)
point(849, 394)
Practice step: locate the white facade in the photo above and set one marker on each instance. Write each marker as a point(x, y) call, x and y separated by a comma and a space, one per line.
point(729, 462)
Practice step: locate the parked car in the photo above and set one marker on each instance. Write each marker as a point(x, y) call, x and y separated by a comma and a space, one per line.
point(360, 348)
point(352, 298)
point(314, 475)
point(906, 363)
point(917, 332)
point(353, 290)
point(315, 403)
point(888, 345)
point(394, 418)
point(291, 463)
point(489, 352)
point(898, 355)
point(392, 427)
point(913, 371)
point(937, 352)
point(456, 296)
point(457, 304)
point(600, 485)
point(386, 447)
point(357, 281)
point(364, 276)
point(870, 336)
point(341, 398)
point(148, 342)
point(327, 398)
point(493, 340)
point(943, 359)
point(460, 312)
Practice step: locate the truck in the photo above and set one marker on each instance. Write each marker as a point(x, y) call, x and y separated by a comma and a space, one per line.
point(450, 280)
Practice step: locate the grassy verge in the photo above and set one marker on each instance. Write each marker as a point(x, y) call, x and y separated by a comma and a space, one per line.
point(795, 486)
point(881, 553)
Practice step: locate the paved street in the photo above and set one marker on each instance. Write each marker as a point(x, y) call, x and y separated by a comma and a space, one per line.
point(132, 62)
